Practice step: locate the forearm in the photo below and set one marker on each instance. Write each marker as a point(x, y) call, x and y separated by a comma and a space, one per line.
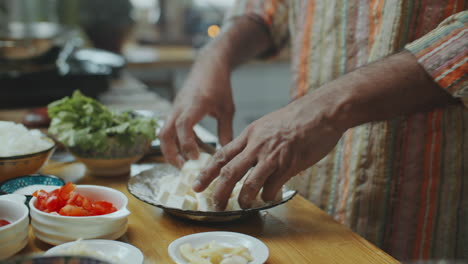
point(239, 41)
point(396, 85)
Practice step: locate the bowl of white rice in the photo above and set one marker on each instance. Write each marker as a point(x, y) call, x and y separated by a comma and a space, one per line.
point(22, 151)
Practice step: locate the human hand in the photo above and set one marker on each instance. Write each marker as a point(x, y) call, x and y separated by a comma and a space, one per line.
point(207, 91)
point(279, 145)
point(295, 137)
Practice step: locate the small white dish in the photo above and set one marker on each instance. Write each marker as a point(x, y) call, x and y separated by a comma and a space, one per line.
point(14, 197)
point(14, 236)
point(257, 248)
point(120, 252)
point(58, 229)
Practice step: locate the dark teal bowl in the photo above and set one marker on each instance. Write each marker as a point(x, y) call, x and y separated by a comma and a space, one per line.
point(11, 185)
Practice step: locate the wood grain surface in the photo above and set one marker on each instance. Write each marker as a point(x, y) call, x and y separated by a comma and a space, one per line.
point(296, 232)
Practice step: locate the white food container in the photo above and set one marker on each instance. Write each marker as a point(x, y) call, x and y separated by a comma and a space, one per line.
point(14, 236)
point(57, 229)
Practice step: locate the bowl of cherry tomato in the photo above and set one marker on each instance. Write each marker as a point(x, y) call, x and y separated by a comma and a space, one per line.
point(14, 225)
point(78, 211)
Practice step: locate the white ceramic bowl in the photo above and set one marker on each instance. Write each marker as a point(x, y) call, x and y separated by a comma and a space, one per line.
point(108, 250)
point(58, 229)
point(258, 250)
point(13, 237)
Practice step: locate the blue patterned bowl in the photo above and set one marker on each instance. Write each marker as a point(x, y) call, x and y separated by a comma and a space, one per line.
point(14, 184)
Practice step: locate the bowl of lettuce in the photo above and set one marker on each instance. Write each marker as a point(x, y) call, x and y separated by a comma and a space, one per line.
point(106, 141)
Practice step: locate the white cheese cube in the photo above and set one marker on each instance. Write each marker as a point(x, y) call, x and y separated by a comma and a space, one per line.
point(236, 190)
point(205, 203)
point(203, 159)
point(190, 166)
point(189, 177)
point(175, 201)
point(196, 165)
point(163, 196)
point(190, 203)
point(180, 188)
point(211, 188)
point(233, 204)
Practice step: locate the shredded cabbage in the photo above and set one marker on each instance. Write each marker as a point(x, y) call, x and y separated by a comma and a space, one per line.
point(80, 121)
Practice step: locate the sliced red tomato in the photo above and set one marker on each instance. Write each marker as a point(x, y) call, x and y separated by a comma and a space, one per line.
point(75, 199)
point(103, 207)
point(4, 222)
point(66, 201)
point(87, 204)
point(41, 199)
point(66, 190)
point(73, 210)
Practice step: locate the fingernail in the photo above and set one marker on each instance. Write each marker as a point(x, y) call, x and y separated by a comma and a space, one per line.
point(196, 185)
point(181, 161)
point(192, 155)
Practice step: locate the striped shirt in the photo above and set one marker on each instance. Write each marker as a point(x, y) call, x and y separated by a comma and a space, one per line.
point(402, 183)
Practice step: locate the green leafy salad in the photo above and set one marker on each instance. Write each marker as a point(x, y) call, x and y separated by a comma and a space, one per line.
point(82, 122)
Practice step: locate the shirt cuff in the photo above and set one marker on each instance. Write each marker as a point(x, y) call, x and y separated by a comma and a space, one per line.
point(272, 15)
point(443, 53)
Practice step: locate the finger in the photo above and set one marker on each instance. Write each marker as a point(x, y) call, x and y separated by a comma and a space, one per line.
point(225, 129)
point(169, 143)
point(221, 158)
point(184, 130)
point(176, 159)
point(254, 182)
point(229, 175)
point(274, 184)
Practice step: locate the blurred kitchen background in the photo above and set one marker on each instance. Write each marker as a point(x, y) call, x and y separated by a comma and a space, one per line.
point(48, 48)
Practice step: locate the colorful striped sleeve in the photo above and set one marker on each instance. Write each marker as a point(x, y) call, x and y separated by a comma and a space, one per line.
point(272, 14)
point(443, 53)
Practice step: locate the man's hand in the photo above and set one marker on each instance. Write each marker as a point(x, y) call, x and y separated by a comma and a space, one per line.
point(285, 142)
point(207, 91)
point(278, 146)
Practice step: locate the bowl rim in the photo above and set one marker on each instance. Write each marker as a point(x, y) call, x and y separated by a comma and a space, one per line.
point(25, 214)
point(32, 206)
point(2, 183)
point(49, 138)
point(30, 176)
